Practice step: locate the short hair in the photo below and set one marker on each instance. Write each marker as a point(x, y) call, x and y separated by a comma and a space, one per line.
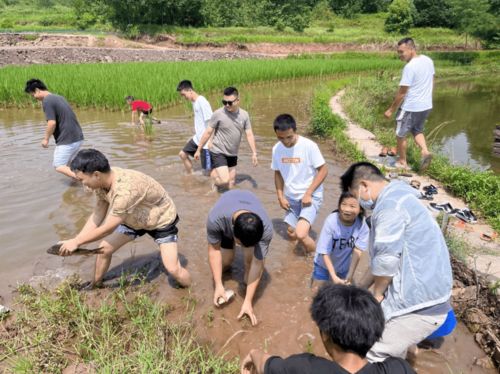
point(408, 41)
point(184, 85)
point(349, 316)
point(284, 122)
point(89, 161)
point(33, 84)
point(231, 91)
point(129, 98)
point(359, 171)
point(248, 229)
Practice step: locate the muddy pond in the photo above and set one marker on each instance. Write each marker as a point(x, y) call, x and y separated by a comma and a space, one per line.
point(39, 207)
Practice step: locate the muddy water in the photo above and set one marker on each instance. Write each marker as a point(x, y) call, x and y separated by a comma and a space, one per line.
point(39, 208)
point(469, 109)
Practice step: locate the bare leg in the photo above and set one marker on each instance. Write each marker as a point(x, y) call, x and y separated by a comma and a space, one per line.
point(188, 165)
point(420, 140)
point(170, 258)
point(291, 233)
point(402, 144)
point(232, 177)
point(302, 232)
point(227, 258)
point(65, 170)
point(110, 245)
point(222, 176)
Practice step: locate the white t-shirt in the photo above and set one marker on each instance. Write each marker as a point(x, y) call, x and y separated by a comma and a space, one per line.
point(202, 113)
point(418, 75)
point(297, 166)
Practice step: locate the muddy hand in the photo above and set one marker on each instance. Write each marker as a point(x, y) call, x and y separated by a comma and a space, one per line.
point(45, 143)
point(306, 200)
point(255, 161)
point(284, 204)
point(388, 113)
point(247, 365)
point(248, 310)
point(220, 292)
point(197, 155)
point(68, 247)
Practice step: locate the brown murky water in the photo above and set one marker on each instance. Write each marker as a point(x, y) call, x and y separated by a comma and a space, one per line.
point(39, 207)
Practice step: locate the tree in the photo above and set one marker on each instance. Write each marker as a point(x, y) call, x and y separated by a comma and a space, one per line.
point(433, 13)
point(374, 6)
point(346, 8)
point(400, 18)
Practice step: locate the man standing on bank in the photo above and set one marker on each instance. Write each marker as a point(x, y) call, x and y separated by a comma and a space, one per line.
point(202, 114)
point(239, 218)
point(415, 91)
point(61, 123)
point(228, 123)
point(409, 260)
point(299, 172)
point(129, 204)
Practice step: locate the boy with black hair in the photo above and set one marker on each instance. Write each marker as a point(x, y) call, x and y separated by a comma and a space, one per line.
point(61, 123)
point(129, 204)
point(409, 260)
point(238, 217)
point(299, 172)
point(228, 125)
point(202, 114)
point(350, 321)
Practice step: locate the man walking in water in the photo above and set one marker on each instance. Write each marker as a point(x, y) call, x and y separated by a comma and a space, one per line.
point(228, 124)
point(61, 123)
point(202, 113)
point(415, 88)
point(129, 204)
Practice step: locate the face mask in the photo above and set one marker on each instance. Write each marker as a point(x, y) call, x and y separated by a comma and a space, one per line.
point(366, 204)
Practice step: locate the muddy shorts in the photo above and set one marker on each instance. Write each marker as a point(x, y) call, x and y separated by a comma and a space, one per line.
point(219, 159)
point(162, 235)
point(410, 122)
point(190, 149)
point(297, 211)
point(64, 153)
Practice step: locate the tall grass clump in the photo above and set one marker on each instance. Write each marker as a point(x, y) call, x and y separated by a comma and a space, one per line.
point(126, 332)
point(104, 85)
point(327, 124)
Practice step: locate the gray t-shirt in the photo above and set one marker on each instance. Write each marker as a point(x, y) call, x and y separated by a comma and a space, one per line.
point(229, 128)
point(220, 219)
point(68, 130)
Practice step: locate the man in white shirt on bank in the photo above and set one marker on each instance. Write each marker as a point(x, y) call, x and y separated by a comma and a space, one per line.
point(299, 172)
point(415, 92)
point(202, 113)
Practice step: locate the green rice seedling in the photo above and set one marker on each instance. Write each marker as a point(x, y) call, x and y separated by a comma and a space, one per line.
point(148, 127)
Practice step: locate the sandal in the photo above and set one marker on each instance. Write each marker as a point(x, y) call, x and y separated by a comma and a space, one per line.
point(430, 189)
point(383, 152)
point(415, 184)
point(392, 152)
point(426, 196)
point(426, 161)
point(488, 237)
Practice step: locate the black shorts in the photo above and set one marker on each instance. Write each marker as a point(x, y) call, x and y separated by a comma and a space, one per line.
point(219, 159)
point(147, 112)
point(165, 234)
point(190, 149)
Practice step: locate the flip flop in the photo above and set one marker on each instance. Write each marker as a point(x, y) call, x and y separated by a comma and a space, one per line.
point(488, 237)
point(383, 152)
point(426, 161)
point(430, 189)
point(445, 207)
point(425, 196)
point(392, 152)
point(415, 184)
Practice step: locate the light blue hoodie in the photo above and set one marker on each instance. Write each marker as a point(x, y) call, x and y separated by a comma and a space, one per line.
point(406, 243)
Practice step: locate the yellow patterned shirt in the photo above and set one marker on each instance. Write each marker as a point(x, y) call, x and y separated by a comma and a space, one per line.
point(140, 200)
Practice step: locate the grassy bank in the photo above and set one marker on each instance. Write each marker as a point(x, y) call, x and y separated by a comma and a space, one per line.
point(365, 101)
point(125, 331)
point(105, 85)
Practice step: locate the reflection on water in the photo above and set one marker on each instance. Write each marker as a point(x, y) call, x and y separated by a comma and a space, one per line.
point(466, 113)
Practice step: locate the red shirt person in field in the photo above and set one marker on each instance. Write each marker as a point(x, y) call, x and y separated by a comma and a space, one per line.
point(142, 107)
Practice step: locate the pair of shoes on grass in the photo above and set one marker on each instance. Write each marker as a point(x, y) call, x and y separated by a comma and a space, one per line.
point(465, 214)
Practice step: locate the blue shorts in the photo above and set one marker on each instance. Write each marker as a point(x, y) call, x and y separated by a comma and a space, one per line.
point(322, 274)
point(163, 235)
point(63, 154)
point(297, 211)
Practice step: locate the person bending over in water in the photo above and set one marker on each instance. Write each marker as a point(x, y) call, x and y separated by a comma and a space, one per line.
point(143, 107)
point(61, 123)
point(343, 238)
point(350, 321)
point(129, 204)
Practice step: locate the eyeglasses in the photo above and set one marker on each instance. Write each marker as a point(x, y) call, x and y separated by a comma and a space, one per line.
point(228, 102)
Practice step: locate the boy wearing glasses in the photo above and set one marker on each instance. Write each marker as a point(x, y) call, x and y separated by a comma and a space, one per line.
point(228, 125)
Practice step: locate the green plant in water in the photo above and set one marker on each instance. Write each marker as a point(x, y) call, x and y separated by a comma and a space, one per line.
point(148, 127)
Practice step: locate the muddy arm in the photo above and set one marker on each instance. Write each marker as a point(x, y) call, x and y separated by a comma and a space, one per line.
point(356, 255)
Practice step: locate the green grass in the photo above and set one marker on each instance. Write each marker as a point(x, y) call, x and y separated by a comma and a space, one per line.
point(105, 85)
point(126, 332)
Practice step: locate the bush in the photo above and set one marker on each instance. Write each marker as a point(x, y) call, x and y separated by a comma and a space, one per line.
point(400, 18)
point(433, 13)
point(346, 8)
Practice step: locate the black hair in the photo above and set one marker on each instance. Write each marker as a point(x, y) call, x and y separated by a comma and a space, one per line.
point(359, 171)
point(90, 160)
point(408, 41)
point(248, 229)
point(129, 98)
point(284, 122)
point(350, 317)
point(231, 91)
point(184, 85)
point(33, 84)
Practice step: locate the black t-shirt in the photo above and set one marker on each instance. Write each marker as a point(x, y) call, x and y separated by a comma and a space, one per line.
point(306, 363)
point(67, 130)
